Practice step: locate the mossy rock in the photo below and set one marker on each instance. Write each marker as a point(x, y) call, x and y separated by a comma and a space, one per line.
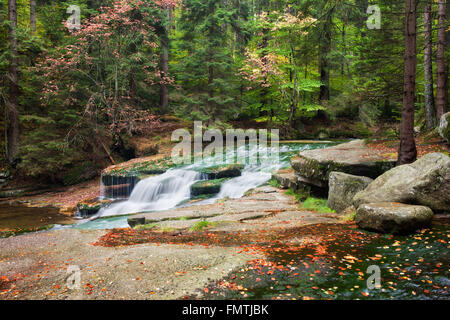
point(315, 166)
point(207, 187)
point(132, 174)
point(223, 171)
point(89, 208)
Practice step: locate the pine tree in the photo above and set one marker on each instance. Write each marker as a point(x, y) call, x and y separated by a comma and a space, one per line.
point(407, 151)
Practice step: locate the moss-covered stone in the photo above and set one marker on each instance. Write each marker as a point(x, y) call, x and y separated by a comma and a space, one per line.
point(133, 173)
point(91, 207)
point(207, 187)
point(223, 171)
point(353, 158)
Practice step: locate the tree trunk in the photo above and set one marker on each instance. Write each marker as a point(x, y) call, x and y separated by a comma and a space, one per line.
point(407, 151)
point(164, 92)
point(13, 129)
point(441, 103)
point(430, 112)
point(324, 51)
point(33, 16)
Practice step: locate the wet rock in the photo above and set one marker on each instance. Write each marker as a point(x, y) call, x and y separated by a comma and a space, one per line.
point(131, 172)
point(342, 189)
point(91, 207)
point(116, 179)
point(132, 222)
point(444, 128)
point(315, 166)
point(207, 187)
point(393, 217)
point(13, 193)
point(118, 191)
point(286, 178)
point(223, 171)
point(424, 182)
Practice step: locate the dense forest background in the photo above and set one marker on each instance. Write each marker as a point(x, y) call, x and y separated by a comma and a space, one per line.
point(313, 69)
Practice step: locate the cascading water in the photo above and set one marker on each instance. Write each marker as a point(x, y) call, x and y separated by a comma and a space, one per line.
point(168, 190)
point(156, 193)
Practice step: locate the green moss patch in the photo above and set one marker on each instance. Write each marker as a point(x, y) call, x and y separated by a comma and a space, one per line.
point(223, 171)
point(207, 187)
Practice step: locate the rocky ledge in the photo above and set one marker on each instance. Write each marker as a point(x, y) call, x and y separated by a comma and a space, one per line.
point(314, 166)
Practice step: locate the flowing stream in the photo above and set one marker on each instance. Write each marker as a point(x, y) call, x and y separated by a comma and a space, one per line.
point(172, 188)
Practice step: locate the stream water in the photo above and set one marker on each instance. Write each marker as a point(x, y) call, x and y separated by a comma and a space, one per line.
point(412, 267)
point(169, 190)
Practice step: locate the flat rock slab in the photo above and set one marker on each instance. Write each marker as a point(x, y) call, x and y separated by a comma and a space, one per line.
point(260, 202)
point(353, 158)
point(393, 217)
point(146, 271)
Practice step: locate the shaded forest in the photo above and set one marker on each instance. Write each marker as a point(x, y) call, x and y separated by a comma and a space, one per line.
point(75, 97)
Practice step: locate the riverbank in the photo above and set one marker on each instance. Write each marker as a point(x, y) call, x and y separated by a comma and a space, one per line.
point(34, 266)
point(287, 253)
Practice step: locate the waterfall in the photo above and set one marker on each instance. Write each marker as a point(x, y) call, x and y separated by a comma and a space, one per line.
point(161, 192)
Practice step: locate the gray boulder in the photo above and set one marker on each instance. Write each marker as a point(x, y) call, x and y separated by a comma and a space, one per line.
point(393, 217)
point(424, 182)
point(342, 189)
point(444, 129)
point(353, 158)
point(286, 178)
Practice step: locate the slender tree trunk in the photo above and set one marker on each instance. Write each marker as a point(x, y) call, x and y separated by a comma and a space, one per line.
point(13, 129)
point(33, 16)
point(441, 94)
point(430, 112)
point(164, 94)
point(324, 51)
point(407, 152)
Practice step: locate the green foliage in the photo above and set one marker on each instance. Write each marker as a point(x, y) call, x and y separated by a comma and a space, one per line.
point(199, 226)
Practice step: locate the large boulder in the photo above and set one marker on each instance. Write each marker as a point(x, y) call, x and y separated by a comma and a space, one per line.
point(393, 217)
point(353, 157)
point(342, 189)
point(424, 182)
point(444, 128)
